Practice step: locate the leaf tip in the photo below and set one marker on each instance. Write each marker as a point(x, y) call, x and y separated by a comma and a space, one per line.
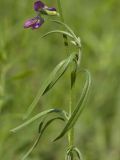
point(57, 138)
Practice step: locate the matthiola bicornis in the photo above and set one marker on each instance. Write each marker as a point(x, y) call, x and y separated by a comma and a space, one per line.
point(41, 9)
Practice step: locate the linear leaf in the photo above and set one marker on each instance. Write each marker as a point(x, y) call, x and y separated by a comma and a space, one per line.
point(50, 81)
point(66, 26)
point(69, 30)
point(58, 31)
point(60, 72)
point(39, 115)
point(41, 131)
point(33, 146)
point(78, 109)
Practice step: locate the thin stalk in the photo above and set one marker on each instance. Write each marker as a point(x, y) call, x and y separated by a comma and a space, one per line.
point(62, 20)
point(71, 132)
point(60, 10)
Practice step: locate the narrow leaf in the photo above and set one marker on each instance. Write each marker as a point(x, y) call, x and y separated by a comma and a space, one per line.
point(41, 114)
point(48, 123)
point(78, 109)
point(76, 39)
point(38, 116)
point(31, 149)
point(60, 72)
point(41, 131)
point(66, 26)
point(50, 82)
point(58, 31)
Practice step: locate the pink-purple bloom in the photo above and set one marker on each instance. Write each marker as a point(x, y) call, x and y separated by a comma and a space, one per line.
point(34, 23)
point(37, 21)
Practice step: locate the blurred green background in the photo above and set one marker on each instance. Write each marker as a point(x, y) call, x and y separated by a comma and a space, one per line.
point(26, 60)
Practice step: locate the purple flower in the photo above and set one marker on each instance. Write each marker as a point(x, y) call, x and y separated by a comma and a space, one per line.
point(38, 5)
point(44, 9)
point(34, 23)
point(41, 8)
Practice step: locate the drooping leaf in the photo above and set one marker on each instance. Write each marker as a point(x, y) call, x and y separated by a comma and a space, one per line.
point(41, 131)
point(41, 114)
point(58, 31)
point(58, 71)
point(79, 108)
point(32, 148)
point(38, 116)
point(76, 39)
point(66, 26)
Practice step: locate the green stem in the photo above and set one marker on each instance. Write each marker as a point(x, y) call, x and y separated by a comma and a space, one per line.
point(60, 10)
point(71, 132)
point(62, 20)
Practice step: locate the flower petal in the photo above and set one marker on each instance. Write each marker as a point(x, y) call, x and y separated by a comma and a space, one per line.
point(34, 23)
point(38, 5)
point(38, 23)
point(29, 23)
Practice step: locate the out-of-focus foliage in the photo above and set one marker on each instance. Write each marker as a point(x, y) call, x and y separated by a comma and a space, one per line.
point(26, 60)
